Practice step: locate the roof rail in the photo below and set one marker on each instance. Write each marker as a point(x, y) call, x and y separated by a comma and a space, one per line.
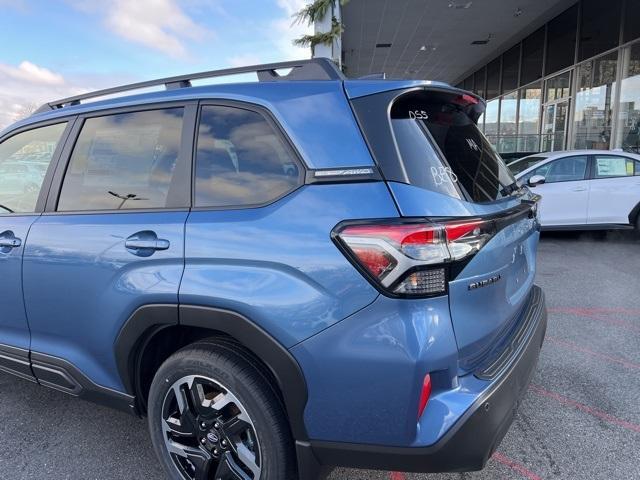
point(312, 69)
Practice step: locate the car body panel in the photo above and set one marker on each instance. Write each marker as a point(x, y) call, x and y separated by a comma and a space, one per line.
point(612, 199)
point(564, 203)
point(277, 264)
point(364, 374)
point(81, 283)
point(14, 329)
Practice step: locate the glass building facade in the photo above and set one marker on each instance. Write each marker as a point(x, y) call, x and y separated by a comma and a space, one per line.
point(572, 84)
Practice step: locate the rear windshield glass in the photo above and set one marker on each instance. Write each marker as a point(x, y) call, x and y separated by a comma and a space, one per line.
point(524, 163)
point(425, 121)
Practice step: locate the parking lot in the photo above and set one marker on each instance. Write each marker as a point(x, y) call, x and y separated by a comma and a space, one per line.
point(580, 418)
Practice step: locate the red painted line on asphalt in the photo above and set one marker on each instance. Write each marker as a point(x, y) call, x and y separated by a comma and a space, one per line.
point(585, 408)
point(579, 348)
point(397, 476)
point(515, 466)
point(598, 314)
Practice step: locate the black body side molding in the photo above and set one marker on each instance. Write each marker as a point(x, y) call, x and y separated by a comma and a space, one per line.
point(283, 366)
point(15, 361)
point(59, 374)
point(149, 319)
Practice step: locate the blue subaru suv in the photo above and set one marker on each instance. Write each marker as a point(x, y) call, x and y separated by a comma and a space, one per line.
point(283, 276)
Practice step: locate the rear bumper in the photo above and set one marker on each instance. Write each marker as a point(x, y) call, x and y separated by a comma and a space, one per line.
point(473, 438)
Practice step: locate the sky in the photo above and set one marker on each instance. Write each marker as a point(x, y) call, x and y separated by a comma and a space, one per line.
point(56, 48)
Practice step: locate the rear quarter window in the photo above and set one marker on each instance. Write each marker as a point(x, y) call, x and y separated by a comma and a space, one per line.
point(430, 139)
point(465, 155)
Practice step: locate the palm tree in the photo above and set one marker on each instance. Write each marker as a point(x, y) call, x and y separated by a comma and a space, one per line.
point(313, 13)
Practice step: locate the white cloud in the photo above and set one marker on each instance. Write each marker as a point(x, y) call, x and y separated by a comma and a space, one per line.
point(286, 31)
point(31, 73)
point(157, 24)
point(245, 59)
point(27, 86)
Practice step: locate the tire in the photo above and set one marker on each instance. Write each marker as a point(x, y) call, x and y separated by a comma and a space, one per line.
point(214, 414)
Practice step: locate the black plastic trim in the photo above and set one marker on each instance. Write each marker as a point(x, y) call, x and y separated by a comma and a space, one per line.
point(634, 215)
point(59, 374)
point(470, 442)
point(309, 69)
point(141, 325)
point(15, 361)
point(280, 362)
point(149, 319)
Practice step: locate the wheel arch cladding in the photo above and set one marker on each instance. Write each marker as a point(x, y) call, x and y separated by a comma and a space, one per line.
point(148, 321)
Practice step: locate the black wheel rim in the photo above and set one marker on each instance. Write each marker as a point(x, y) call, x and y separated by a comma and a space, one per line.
point(208, 433)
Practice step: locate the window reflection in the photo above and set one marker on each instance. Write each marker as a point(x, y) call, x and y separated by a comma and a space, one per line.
point(123, 161)
point(491, 121)
point(529, 119)
point(558, 87)
point(24, 160)
point(508, 125)
point(628, 137)
point(240, 159)
point(594, 103)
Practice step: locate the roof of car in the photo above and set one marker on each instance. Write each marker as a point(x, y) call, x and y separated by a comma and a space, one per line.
point(304, 77)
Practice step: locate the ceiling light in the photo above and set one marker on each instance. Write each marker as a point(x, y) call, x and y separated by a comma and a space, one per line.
point(431, 48)
point(460, 6)
point(518, 12)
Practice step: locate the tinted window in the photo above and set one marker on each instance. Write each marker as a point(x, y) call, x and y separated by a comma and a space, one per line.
point(510, 69)
point(493, 79)
point(524, 163)
point(123, 161)
point(532, 53)
point(479, 79)
point(241, 160)
point(608, 166)
point(446, 120)
point(600, 27)
point(24, 159)
point(561, 40)
point(631, 24)
point(563, 170)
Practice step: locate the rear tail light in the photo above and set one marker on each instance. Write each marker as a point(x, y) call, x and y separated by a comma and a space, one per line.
point(412, 259)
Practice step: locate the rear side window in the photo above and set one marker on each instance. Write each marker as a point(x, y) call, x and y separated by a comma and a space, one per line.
point(467, 159)
point(241, 160)
point(567, 169)
point(24, 160)
point(609, 166)
point(123, 161)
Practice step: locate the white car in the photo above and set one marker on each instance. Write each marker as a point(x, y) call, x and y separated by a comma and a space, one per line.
point(584, 189)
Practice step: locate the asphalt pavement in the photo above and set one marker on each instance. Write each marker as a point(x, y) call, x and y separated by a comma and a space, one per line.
point(580, 418)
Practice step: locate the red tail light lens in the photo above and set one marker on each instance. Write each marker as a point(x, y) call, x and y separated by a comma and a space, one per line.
point(410, 258)
point(425, 393)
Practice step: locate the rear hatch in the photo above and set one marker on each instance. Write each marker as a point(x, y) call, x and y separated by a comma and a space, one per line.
point(440, 167)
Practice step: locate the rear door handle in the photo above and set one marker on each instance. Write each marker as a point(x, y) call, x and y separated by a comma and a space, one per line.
point(159, 244)
point(146, 242)
point(579, 189)
point(9, 240)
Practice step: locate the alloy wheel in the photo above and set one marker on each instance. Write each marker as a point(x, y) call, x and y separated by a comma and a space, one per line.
point(208, 433)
